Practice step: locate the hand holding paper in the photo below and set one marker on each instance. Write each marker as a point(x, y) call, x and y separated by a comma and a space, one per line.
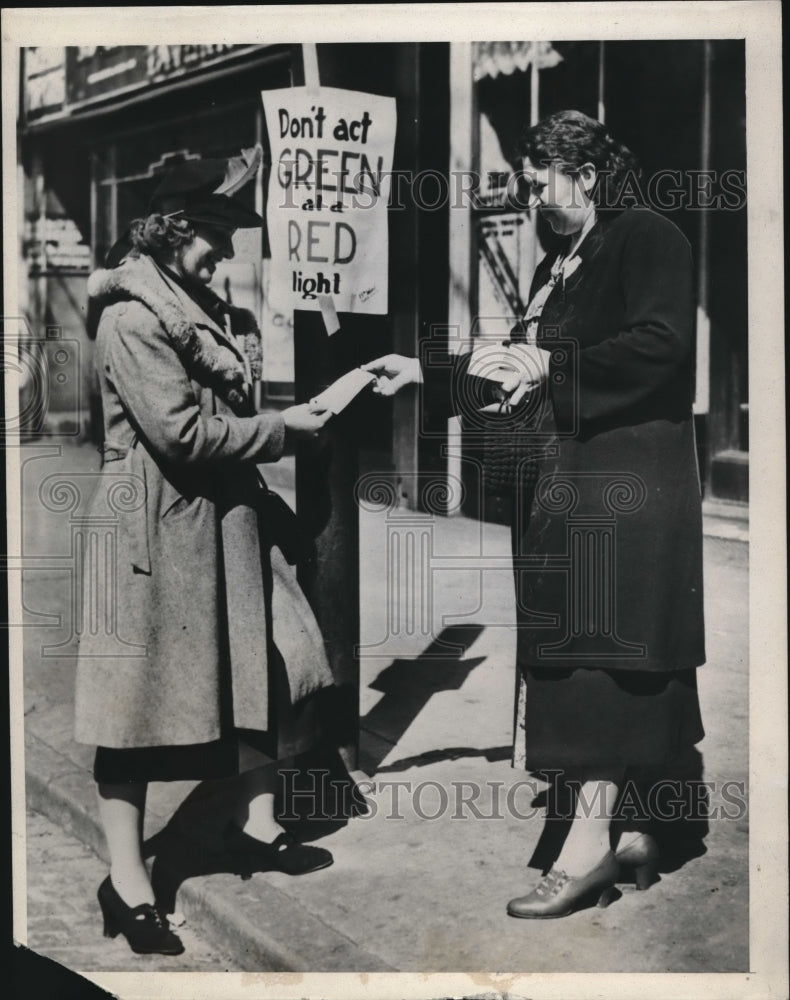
point(305, 420)
point(392, 372)
point(517, 368)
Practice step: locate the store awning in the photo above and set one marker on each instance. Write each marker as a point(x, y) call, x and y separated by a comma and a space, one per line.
point(493, 58)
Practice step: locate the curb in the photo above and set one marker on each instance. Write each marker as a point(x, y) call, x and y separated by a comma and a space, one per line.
point(237, 916)
point(728, 520)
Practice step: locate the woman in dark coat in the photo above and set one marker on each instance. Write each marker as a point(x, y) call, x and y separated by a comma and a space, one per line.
point(222, 650)
point(607, 541)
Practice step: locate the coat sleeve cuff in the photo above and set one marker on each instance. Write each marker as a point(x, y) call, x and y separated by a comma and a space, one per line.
point(272, 430)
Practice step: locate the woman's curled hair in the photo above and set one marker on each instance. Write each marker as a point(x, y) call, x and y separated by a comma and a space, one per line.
point(157, 234)
point(570, 139)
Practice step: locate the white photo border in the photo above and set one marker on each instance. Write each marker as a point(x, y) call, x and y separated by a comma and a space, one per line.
point(759, 23)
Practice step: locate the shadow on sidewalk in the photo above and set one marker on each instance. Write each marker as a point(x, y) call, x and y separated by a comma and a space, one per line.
point(492, 754)
point(672, 803)
point(191, 844)
point(316, 797)
point(408, 685)
point(322, 797)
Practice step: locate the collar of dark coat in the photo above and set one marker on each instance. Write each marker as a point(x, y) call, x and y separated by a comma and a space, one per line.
point(219, 364)
point(594, 240)
point(590, 246)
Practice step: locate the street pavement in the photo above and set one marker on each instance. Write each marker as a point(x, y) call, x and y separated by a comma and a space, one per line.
point(420, 883)
point(63, 875)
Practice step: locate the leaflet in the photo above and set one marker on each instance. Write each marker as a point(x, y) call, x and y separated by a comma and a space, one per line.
point(337, 396)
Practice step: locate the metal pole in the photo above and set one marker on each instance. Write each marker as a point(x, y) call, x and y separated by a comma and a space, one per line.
point(325, 503)
point(461, 223)
point(534, 86)
point(702, 394)
point(601, 82)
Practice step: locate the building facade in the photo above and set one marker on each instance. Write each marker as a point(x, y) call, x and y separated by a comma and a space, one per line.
point(99, 125)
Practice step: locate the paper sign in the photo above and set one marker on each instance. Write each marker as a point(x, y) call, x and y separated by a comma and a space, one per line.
point(495, 362)
point(328, 192)
point(499, 362)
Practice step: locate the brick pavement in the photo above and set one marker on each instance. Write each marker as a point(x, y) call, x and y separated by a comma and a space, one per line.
point(63, 917)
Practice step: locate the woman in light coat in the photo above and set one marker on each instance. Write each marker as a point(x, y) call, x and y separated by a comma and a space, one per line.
point(222, 649)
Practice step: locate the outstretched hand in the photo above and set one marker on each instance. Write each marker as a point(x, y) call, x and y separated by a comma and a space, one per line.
point(305, 420)
point(393, 372)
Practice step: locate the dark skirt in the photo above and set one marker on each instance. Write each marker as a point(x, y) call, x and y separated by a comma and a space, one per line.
point(604, 719)
point(292, 730)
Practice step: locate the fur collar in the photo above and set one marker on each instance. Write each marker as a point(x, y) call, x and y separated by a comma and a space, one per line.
point(217, 364)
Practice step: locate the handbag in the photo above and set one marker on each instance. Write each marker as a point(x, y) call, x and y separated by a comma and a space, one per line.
point(282, 528)
point(509, 462)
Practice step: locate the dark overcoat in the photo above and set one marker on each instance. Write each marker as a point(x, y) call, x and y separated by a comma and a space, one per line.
point(607, 529)
point(608, 547)
point(195, 587)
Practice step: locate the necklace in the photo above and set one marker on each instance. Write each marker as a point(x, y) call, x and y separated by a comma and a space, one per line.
point(538, 301)
point(563, 267)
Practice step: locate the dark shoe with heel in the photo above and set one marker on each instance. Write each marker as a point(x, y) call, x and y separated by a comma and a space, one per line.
point(559, 894)
point(639, 862)
point(283, 854)
point(144, 927)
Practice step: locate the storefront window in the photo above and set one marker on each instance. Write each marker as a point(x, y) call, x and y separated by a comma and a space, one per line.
point(95, 146)
point(679, 105)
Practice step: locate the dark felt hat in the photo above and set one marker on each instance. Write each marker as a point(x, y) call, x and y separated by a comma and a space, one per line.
point(202, 191)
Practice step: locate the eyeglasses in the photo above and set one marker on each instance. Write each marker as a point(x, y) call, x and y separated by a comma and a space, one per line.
point(534, 189)
point(534, 193)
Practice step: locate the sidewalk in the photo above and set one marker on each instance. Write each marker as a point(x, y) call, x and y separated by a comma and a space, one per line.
point(421, 884)
point(62, 877)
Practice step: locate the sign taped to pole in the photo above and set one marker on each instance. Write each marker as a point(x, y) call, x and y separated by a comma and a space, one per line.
point(310, 65)
point(327, 211)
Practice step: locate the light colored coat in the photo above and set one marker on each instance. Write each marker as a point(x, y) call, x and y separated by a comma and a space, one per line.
point(198, 588)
